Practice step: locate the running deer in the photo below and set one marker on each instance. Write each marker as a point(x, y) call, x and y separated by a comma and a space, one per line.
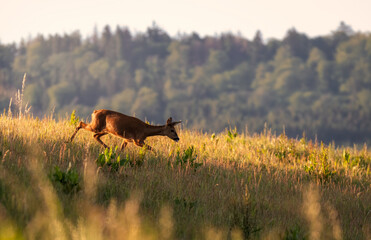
point(131, 129)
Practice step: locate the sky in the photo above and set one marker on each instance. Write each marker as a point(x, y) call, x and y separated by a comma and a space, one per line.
point(28, 18)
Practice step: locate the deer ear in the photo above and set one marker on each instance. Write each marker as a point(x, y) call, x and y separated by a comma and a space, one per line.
point(175, 123)
point(169, 121)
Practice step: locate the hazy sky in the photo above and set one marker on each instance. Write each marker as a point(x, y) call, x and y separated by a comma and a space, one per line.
point(24, 18)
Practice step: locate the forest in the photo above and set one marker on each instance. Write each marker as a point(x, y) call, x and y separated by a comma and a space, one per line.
point(319, 87)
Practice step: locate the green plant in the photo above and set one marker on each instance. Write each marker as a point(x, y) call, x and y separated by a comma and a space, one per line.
point(281, 153)
point(140, 159)
point(231, 134)
point(325, 171)
point(353, 161)
point(310, 167)
point(187, 158)
point(346, 156)
point(183, 203)
point(212, 136)
point(111, 159)
point(361, 161)
point(68, 181)
point(73, 119)
point(295, 233)
point(320, 165)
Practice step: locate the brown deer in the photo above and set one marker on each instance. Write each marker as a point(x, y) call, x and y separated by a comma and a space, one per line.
point(131, 129)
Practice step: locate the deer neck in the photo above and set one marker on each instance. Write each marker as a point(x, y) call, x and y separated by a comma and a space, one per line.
point(154, 130)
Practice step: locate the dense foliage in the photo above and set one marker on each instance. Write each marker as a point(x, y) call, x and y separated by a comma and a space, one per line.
point(320, 86)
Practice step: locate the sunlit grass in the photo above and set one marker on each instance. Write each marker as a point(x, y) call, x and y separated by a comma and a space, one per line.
point(230, 185)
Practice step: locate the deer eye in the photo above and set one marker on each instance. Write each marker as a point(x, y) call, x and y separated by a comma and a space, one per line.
point(172, 131)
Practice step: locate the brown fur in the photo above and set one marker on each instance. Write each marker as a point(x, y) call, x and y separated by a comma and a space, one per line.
point(131, 129)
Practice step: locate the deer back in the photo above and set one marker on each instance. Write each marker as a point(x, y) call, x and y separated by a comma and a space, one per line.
point(118, 124)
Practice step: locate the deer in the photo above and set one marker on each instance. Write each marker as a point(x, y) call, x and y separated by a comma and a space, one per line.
point(131, 129)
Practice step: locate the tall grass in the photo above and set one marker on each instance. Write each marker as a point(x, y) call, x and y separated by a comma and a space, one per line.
point(221, 186)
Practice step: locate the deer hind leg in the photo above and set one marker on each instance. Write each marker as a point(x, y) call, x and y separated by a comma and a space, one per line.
point(141, 144)
point(124, 143)
point(97, 138)
point(81, 125)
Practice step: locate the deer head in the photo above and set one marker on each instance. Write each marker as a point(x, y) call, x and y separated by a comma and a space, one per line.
point(170, 129)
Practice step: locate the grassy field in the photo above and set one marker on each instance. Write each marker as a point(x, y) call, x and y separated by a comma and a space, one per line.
point(224, 186)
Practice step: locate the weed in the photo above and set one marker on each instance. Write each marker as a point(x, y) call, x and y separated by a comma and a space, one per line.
point(19, 99)
point(68, 181)
point(244, 216)
point(111, 159)
point(354, 161)
point(187, 158)
point(212, 136)
point(310, 167)
point(231, 134)
point(346, 156)
point(321, 166)
point(183, 203)
point(281, 154)
point(73, 119)
point(295, 233)
point(140, 159)
point(362, 161)
point(325, 171)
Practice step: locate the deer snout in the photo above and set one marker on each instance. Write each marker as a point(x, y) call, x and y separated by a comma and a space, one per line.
point(176, 139)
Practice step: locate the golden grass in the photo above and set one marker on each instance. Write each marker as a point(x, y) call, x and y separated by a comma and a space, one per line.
point(258, 186)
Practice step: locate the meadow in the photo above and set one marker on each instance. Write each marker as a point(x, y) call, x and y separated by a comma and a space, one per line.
point(231, 185)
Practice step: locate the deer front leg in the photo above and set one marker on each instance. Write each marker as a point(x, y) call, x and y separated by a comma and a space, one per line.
point(97, 137)
point(81, 125)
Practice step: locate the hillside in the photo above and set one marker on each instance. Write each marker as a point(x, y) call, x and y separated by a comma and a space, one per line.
point(207, 186)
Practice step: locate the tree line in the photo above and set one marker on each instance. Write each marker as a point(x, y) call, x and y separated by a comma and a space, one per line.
point(320, 85)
